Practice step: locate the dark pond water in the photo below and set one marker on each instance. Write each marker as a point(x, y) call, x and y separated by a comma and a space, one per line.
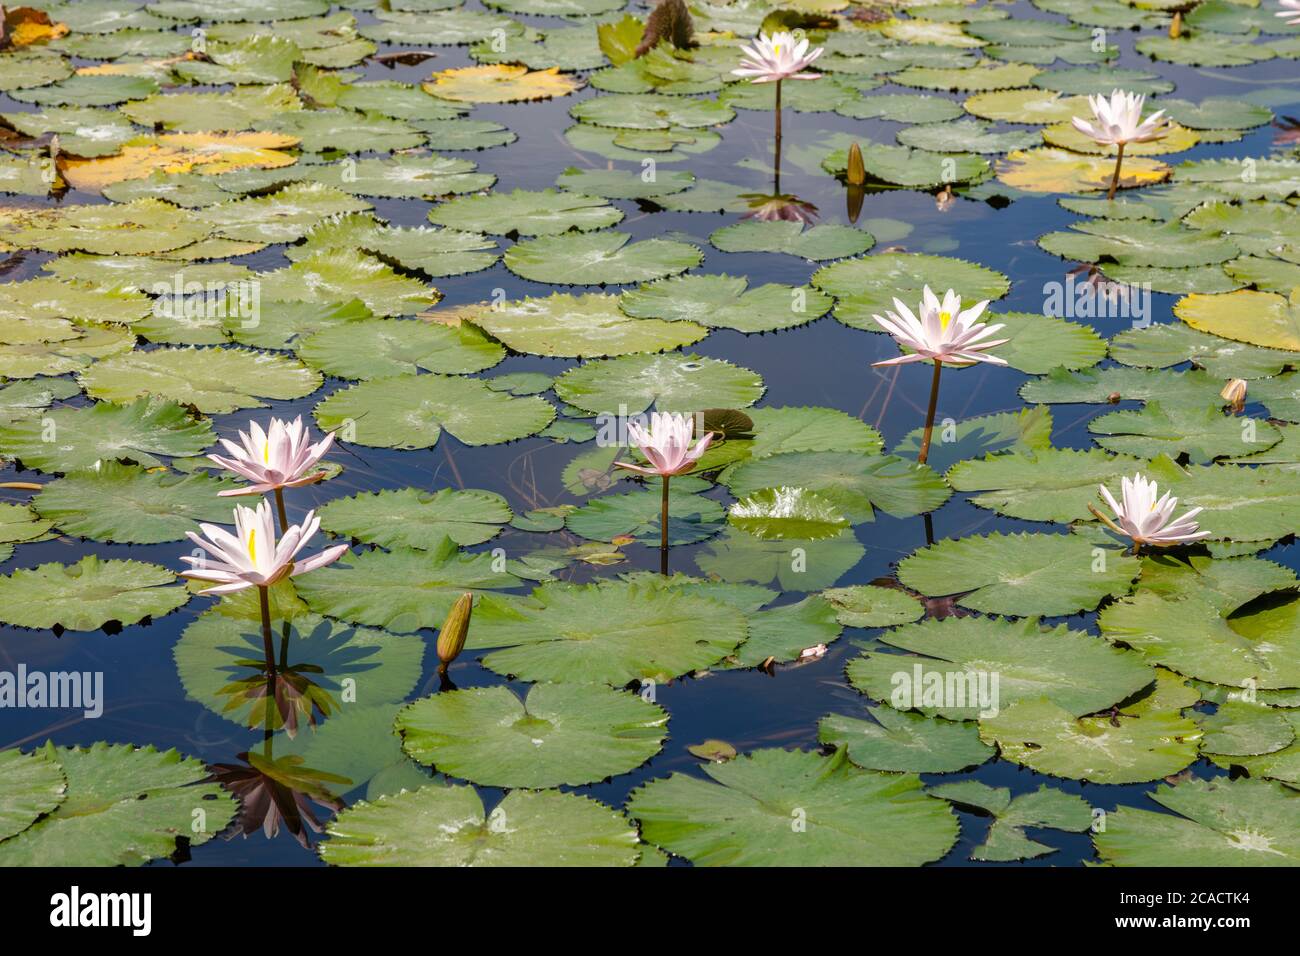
point(823, 363)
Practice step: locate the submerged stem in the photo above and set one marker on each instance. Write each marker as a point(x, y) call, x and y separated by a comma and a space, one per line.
point(1114, 180)
point(929, 415)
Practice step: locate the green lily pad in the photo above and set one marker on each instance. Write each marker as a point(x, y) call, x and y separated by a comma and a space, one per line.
point(854, 484)
point(1139, 243)
point(651, 111)
point(401, 590)
point(545, 212)
point(578, 326)
point(411, 411)
point(1021, 574)
point(1029, 429)
point(599, 258)
point(1238, 728)
point(214, 380)
point(1168, 344)
point(341, 275)
point(1145, 740)
point(901, 108)
point(787, 513)
point(782, 634)
point(611, 634)
point(691, 518)
point(129, 505)
point(374, 348)
point(411, 518)
point(868, 605)
point(781, 807)
point(559, 734)
point(33, 786)
point(87, 595)
point(106, 432)
point(623, 184)
point(827, 241)
point(867, 286)
point(1042, 808)
point(1047, 484)
point(1203, 434)
point(1217, 823)
point(793, 564)
point(671, 382)
point(1073, 670)
point(722, 301)
point(124, 807)
point(903, 742)
point(448, 826)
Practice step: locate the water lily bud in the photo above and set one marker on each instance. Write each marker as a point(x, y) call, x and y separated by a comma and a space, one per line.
point(1234, 393)
point(451, 638)
point(857, 172)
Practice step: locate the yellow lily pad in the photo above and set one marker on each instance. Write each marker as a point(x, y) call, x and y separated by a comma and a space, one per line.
point(501, 83)
point(1066, 136)
point(1051, 170)
point(1260, 318)
point(181, 153)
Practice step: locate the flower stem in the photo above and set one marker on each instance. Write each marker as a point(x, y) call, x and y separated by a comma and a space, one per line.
point(929, 415)
point(279, 507)
point(267, 648)
point(663, 531)
point(777, 186)
point(1114, 180)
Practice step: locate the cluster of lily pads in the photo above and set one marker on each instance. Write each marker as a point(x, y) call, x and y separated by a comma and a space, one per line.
point(216, 131)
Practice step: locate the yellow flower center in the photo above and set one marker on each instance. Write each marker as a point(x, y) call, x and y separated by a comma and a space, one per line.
point(252, 545)
point(944, 319)
point(266, 453)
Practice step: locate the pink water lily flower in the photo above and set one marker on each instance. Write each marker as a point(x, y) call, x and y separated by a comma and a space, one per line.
point(666, 444)
point(1145, 518)
point(1290, 10)
point(943, 332)
point(252, 557)
point(1119, 120)
point(280, 457)
point(779, 57)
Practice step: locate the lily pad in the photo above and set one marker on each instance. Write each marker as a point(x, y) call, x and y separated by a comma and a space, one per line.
point(87, 595)
point(599, 258)
point(33, 786)
point(794, 808)
point(827, 241)
point(1044, 808)
point(559, 734)
point(411, 518)
point(448, 826)
point(542, 213)
point(671, 382)
point(903, 742)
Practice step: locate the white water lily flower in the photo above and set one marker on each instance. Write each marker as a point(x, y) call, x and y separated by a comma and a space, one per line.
point(280, 457)
point(252, 557)
point(943, 332)
point(779, 57)
point(666, 445)
point(1145, 518)
point(1119, 120)
point(1290, 10)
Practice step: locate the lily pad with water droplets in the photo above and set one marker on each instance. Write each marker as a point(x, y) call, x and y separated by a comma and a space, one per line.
point(1217, 822)
point(570, 734)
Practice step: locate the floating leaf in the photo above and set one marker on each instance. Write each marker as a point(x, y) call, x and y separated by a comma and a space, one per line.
point(88, 594)
point(124, 807)
point(1041, 808)
point(447, 826)
point(904, 742)
point(743, 817)
point(411, 518)
point(31, 786)
point(1051, 170)
point(543, 213)
point(398, 346)
point(501, 83)
point(1022, 574)
point(559, 734)
point(691, 518)
point(671, 382)
point(722, 301)
point(863, 287)
point(599, 258)
point(827, 241)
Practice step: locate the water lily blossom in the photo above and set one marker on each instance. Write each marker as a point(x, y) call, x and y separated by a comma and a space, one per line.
point(1290, 10)
point(1145, 518)
point(1117, 122)
point(781, 56)
point(252, 556)
point(666, 444)
point(280, 457)
point(943, 333)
